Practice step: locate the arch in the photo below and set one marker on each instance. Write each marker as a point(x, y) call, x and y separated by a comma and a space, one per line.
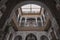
point(27, 2)
point(18, 37)
point(43, 37)
point(30, 2)
point(18, 5)
point(31, 37)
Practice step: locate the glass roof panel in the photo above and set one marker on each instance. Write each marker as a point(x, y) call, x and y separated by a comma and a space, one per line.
point(35, 10)
point(26, 10)
point(35, 6)
point(26, 6)
point(30, 8)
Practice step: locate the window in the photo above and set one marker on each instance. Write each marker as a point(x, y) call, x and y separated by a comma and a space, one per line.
point(23, 19)
point(31, 37)
point(31, 8)
point(22, 22)
point(38, 19)
point(31, 19)
point(43, 37)
point(18, 37)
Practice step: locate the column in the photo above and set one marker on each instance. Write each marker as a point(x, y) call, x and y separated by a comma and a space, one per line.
point(19, 11)
point(36, 21)
point(42, 12)
point(25, 21)
point(18, 18)
point(44, 17)
point(20, 21)
point(19, 14)
point(41, 20)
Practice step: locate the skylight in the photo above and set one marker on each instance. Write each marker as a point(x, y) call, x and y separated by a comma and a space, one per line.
point(30, 8)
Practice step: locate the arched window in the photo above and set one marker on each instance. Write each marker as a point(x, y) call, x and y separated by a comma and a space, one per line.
point(31, 37)
point(39, 21)
point(23, 19)
point(22, 22)
point(43, 37)
point(18, 38)
point(30, 8)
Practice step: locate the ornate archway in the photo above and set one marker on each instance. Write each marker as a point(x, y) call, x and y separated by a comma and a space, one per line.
point(18, 37)
point(31, 37)
point(43, 37)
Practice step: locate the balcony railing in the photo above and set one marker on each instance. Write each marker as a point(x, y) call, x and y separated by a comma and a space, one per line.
point(28, 24)
point(32, 26)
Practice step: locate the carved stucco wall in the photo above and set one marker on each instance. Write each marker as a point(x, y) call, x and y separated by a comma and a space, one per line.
point(54, 24)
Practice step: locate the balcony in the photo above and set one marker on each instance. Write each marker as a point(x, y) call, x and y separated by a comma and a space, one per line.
point(35, 27)
point(30, 23)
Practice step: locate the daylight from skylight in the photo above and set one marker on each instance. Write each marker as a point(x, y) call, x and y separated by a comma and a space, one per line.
point(31, 8)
